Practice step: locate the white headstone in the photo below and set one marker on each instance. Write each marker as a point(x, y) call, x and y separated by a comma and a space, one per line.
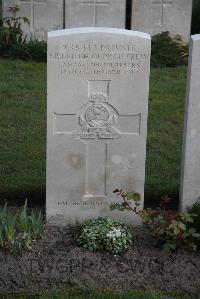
point(98, 82)
point(155, 16)
point(190, 178)
point(95, 13)
point(43, 15)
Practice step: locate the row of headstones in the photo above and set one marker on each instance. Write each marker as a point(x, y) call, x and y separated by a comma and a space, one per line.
point(98, 84)
point(151, 16)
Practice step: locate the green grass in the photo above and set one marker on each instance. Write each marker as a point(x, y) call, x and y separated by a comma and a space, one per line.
point(23, 130)
point(22, 127)
point(165, 127)
point(90, 294)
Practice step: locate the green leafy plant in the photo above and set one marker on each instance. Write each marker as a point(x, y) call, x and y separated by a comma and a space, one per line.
point(168, 51)
point(127, 197)
point(37, 50)
point(105, 234)
point(23, 218)
point(195, 210)
point(17, 231)
point(36, 225)
point(11, 34)
point(13, 42)
point(170, 229)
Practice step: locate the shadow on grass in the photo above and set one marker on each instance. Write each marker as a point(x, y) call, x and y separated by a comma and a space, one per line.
point(152, 200)
point(37, 198)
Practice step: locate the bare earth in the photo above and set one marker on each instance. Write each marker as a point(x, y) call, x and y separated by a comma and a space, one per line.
point(57, 261)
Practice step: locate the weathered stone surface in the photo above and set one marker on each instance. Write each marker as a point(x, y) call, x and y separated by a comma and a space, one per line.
point(155, 16)
point(98, 81)
point(43, 15)
point(190, 178)
point(95, 13)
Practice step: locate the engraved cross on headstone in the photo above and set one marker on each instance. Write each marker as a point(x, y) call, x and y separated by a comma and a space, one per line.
point(32, 8)
point(95, 4)
point(163, 3)
point(96, 125)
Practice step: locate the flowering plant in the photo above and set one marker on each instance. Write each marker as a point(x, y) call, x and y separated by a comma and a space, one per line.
point(10, 28)
point(105, 234)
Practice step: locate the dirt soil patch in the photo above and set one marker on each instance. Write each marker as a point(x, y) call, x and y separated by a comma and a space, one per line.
point(57, 261)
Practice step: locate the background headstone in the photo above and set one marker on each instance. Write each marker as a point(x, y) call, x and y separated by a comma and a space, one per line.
point(151, 16)
point(155, 16)
point(190, 177)
point(43, 15)
point(95, 13)
point(98, 82)
point(1, 9)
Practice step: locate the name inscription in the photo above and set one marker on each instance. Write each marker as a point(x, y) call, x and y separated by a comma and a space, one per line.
point(99, 59)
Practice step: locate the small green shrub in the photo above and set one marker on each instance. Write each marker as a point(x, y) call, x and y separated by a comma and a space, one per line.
point(105, 234)
point(17, 51)
point(18, 231)
point(37, 50)
point(167, 51)
point(170, 229)
point(195, 210)
point(32, 50)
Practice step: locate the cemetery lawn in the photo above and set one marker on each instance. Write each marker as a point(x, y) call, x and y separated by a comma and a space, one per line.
point(23, 131)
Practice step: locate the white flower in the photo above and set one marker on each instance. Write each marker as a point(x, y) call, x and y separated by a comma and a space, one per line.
point(114, 233)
